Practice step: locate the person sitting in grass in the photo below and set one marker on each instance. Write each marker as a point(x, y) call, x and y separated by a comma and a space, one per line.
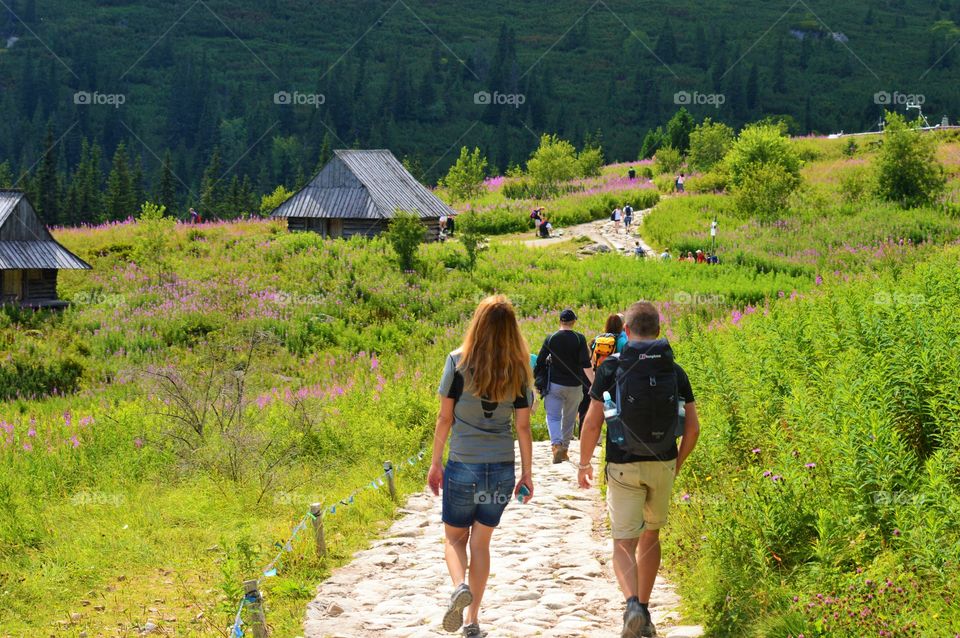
point(486, 388)
point(642, 454)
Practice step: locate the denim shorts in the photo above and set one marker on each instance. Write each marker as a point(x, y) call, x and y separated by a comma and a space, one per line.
point(476, 493)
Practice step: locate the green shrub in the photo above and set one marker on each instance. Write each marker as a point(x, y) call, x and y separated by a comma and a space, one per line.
point(405, 234)
point(856, 184)
point(35, 378)
point(590, 162)
point(521, 188)
point(712, 182)
point(665, 183)
point(667, 160)
point(471, 236)
point(908, 171)
point(709, 144)
point(760, 145)
point(554, 162)
point(269, 203)
point(764, 191)
point(464, 180)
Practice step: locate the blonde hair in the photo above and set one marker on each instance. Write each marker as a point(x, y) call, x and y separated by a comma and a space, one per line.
point(495, 353)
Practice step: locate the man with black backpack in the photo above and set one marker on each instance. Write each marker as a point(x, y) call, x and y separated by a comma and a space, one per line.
point(562, 373)
point(640, 392)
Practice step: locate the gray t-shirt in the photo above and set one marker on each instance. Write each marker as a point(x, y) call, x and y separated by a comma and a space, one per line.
point(481, 429)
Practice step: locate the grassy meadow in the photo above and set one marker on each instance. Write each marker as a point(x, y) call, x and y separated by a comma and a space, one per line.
point(164, 432)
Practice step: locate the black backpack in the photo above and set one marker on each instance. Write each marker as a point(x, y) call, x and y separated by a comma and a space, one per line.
point(647, 398)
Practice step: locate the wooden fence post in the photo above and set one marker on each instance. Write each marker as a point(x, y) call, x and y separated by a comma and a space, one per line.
point(388, 470)
point(258, 619)
point(317, 511)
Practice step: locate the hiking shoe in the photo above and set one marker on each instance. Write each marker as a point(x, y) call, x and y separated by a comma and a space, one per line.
point(473, 631)
point(558, 453)
point(634, 620)
point(648, 630)
point(459, 600)
point(564, 456)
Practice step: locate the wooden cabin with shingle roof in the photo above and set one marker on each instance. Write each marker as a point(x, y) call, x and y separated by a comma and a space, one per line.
point(29, 255)
point(357, 193)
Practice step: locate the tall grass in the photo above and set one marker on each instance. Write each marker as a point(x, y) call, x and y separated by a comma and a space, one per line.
point(823, 498)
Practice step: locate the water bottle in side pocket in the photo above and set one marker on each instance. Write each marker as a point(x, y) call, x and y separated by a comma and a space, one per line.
point(612, 416)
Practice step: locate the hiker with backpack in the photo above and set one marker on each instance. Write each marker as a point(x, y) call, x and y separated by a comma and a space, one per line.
point(615, 217)
point(537, 216)
point(627, 217)
point(485, 390)
point(640, 393)
point(607, 342)
point(602, 346)
point(563, 369)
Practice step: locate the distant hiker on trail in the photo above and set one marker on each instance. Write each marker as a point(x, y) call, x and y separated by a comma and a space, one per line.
point(486, 385)
point(627, 217)
point(700, 256)
point(639, 251)
point(563, 368)
point(545, 226)
point(665, 255)
point(640, 391)
point(537, 216)
point(616, 217)
point(194, 216)
point(680, 181)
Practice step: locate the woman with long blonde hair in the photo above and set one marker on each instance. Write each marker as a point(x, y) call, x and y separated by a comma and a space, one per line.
point(486, 386)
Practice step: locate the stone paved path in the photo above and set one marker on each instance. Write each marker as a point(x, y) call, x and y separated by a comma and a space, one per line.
point(550, 576)
point(603, 232)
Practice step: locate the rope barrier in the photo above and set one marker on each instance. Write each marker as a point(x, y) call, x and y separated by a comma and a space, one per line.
point(273, 566)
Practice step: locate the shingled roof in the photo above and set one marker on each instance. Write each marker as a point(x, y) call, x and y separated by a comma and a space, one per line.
point(362, 184)
point(25, 243)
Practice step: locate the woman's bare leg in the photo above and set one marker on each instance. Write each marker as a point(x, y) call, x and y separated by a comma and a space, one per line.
point(479, 568)
point(455, 551)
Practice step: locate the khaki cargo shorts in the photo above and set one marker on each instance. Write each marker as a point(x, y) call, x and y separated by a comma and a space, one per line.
point(638, 496)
